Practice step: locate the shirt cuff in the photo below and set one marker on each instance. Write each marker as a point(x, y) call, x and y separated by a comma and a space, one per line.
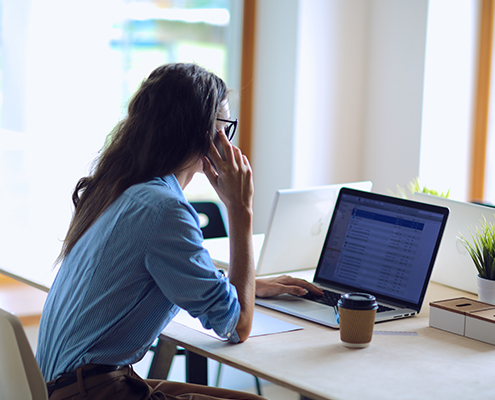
point(231, 334)
point(233, 337)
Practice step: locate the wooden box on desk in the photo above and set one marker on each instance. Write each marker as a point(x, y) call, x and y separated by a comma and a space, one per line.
point(480, 325)
point(450, 315)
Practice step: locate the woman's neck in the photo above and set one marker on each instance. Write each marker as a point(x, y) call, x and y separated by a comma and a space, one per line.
point(185, 175)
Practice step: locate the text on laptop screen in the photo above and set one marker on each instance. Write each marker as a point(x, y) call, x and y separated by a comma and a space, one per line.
point(394, 242)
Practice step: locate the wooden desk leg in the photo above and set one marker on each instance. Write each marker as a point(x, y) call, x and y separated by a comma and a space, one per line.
point(196, 368)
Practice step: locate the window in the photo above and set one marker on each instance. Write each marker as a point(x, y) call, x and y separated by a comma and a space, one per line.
point(151, 34)
point(67, 70)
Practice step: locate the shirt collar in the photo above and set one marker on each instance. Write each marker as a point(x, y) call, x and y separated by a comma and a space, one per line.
point(172, 182)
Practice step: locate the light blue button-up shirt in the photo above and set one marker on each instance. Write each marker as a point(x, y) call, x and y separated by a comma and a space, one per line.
point(125, 280)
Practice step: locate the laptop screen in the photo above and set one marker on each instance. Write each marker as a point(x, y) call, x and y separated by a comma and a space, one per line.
point(381, 245)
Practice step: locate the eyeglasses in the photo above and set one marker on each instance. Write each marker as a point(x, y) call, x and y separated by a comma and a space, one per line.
point(231, 126)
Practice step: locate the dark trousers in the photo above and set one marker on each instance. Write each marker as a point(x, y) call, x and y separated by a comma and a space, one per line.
point(125, 384)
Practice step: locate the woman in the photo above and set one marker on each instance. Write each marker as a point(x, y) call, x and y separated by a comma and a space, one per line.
point(133, 253)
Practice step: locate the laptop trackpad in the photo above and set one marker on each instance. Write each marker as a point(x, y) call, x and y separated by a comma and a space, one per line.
point(301, 308)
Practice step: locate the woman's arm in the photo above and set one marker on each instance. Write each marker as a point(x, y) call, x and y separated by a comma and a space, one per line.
point(231, 177)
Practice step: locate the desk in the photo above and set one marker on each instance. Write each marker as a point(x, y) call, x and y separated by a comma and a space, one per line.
point(432, 365)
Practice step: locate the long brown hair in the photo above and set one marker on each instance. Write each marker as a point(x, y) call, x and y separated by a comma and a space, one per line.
point(170, 119)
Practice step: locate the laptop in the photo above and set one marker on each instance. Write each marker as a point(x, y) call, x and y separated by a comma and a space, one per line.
point(454, 267)
point(377, 244)
point(298, 223)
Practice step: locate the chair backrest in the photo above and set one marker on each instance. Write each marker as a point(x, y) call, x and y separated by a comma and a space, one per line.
point(211, 219)
point(20, 375)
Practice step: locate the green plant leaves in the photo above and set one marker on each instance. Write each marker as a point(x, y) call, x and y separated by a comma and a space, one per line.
point(482, 249)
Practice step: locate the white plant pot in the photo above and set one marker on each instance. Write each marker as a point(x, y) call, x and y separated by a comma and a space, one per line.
point(486, 290)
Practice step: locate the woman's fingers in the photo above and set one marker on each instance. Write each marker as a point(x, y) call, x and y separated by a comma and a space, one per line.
point(226, 146)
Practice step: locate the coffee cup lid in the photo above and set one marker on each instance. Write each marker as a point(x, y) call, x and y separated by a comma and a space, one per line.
point(358, 301)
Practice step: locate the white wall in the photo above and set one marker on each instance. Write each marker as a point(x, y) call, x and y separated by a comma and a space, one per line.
point(330, 98)
point(274, 101)
point(394, 91)
point(352, 108)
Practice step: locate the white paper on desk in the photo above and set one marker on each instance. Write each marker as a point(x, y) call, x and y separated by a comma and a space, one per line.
point(262, 325)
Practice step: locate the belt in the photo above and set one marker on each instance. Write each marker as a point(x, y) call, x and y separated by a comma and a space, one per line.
point(71, 377)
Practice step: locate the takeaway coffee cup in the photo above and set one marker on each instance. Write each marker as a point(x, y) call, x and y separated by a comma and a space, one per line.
point(356, 319)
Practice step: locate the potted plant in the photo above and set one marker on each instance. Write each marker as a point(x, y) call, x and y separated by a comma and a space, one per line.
point(482, 252)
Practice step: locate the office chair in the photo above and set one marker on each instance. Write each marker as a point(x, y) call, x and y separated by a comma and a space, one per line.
point(210, 218)
point(20, 375)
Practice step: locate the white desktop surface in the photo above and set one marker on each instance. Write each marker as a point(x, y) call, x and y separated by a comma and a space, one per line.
point(399, 365)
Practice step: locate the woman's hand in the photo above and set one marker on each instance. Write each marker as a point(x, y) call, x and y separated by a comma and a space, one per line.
point(270, 287)
point(231, 176)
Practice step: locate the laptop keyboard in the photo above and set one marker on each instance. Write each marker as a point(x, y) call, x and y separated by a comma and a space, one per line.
point(331, 298)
